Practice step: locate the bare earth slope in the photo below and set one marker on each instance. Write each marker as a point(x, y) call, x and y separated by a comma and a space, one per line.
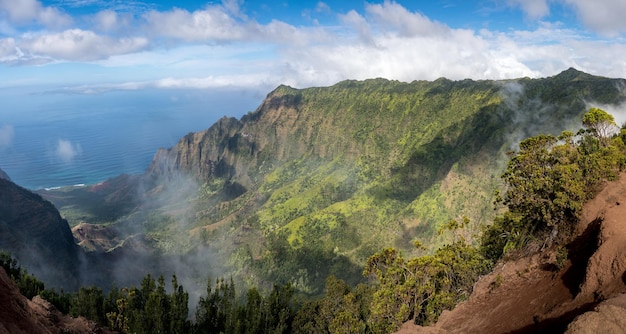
point(531, 295)
point(19, 315)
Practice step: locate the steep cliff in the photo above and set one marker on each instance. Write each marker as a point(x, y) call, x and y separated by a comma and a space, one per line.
point(32, 230)
point(320, 178)
point(427, 151)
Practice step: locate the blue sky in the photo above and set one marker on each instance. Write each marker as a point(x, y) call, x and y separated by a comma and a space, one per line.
point(96, 46)
point(60, 54)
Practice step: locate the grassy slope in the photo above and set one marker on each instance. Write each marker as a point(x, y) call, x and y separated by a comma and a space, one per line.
point(334, 174)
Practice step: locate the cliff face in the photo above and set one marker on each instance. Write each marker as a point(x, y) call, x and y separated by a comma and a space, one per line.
point(32, 230)
point(345, 170)
point(382, 120)
point(433, 144)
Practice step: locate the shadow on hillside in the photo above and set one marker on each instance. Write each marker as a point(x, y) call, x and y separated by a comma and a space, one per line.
point(431, 162)
point(579, 251)
point(554, 325)
point(103, 202)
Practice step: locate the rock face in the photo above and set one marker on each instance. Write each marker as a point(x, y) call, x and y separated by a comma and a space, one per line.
point(32, 230)
point(608, 317)
point(531, 295)
point(19, 315)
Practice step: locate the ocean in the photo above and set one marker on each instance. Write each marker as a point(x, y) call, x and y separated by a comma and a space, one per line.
point(54, 140)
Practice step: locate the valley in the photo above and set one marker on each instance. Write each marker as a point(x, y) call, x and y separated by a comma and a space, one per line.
point(323, 184)
point(336, 173)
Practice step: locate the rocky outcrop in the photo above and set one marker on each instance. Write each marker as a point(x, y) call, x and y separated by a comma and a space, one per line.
point(32, 230)
point(608, 317)
point(239, 149)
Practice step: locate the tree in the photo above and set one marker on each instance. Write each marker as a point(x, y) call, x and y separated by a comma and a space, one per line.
point(179, 308)
point(600, 123)
point(544, 181)
point(421, 288)
point(89, 302)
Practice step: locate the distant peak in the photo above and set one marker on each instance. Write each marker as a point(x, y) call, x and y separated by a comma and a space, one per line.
point(572, 74)
point(282, 89)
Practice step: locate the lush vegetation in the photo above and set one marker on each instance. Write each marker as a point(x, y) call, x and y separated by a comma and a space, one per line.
point(550, 178)
point(547, 181)
point(314, 201)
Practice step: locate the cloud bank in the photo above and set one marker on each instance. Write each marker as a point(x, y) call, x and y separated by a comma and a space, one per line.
point(220, 45)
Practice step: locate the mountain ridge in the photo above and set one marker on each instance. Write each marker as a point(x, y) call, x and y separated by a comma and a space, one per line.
point(347, 169)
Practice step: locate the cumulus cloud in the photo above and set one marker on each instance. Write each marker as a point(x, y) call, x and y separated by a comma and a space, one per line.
point(111, 21)
point(6, 136)
point(28, 11)
point(534, 9)
point(7, 47)
point(77, 44)
point(211, 23)
point(219, 45)
point(66, 151)
point(604, 16)
point(393, 16)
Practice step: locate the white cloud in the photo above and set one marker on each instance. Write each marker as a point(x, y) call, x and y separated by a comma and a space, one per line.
point(219, 45)
point(6, 136)
point(66, 151)
point(7, 47)
point(27, 11)
point(322, 7)
point(109, 20)
point(534, 9)
point(388, 41)
point(391, 15)
point(357, 22)
point(212, 23)
point(603, 16)
point(80, 45)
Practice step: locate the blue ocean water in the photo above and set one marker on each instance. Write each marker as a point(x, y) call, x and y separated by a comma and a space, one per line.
point(51, 140)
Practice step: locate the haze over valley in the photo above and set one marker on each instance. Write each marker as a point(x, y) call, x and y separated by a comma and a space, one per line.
point(311, 166)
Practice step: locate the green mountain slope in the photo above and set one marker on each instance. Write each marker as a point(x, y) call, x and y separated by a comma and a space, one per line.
point(33, 231)
point(316, 180)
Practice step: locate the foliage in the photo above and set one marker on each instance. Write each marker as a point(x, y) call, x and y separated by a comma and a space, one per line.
point(549, 179)
point(148, 309)
point(342, 309)
point(601, 123)
point(30, 286)
point(334, 174)
point(421, 288)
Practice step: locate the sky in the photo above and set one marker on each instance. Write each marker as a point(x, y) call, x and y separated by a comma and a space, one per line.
point(71, 61)
point(98, 46)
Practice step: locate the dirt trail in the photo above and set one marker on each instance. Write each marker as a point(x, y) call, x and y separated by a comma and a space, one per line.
point(531, 295)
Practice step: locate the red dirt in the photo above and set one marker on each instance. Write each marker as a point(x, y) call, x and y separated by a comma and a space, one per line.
point(530, 295)
point(19, 315)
